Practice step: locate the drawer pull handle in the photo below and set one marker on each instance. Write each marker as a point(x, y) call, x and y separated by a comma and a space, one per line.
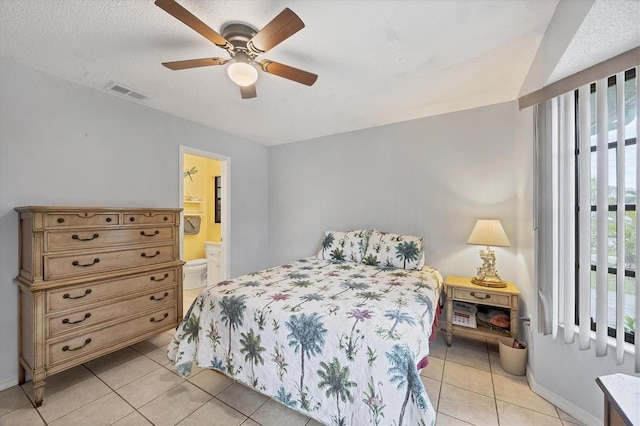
point(149, 235)
point(149, 256)
point(153, 319)
point(108, 220)
point(161, 298)
point(68, 296)
point(66, 320)
point(67, 348)
point(165, 218)
point(486, 296)
point(75, 237)
point(60, 220)
point(160, 279)
point(84, 265)
point(132, 219)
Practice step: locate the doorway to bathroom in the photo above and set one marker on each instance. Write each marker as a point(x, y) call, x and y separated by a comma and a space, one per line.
point(204, 231)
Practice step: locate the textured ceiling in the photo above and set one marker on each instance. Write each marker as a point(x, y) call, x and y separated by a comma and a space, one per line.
point(378, 62)
point(611, 27)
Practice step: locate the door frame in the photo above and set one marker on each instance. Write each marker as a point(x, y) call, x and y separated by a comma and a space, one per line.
point(225, 225)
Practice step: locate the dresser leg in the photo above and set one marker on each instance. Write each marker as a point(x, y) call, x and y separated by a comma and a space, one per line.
point(38, 390)
point(39, 382)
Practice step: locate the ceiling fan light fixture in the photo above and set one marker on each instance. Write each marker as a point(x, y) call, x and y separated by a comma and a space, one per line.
point(244, 43)
point(242, 73)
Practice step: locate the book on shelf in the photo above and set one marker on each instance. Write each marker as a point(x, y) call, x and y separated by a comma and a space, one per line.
point(464, 314)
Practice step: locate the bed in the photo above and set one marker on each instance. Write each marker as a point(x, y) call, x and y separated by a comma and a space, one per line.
point(340, 336)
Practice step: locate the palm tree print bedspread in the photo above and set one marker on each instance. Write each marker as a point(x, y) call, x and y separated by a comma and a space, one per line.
point(339, 342)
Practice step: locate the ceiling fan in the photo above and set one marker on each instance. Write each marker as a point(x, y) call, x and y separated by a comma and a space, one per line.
point(243, 43)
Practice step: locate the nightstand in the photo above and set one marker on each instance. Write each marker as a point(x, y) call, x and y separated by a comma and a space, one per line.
point(463, 290)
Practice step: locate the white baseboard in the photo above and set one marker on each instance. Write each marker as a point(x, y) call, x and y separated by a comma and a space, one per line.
point(570, 408)
point(8, 382)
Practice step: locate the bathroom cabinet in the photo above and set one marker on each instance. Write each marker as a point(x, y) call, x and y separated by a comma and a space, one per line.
point(92, 281)
point(213, 252)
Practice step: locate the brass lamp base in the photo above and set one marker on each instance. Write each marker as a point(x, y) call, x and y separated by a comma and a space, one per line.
point(485, 283)
point(487, 275)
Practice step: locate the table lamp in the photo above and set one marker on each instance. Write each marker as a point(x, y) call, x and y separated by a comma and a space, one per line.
point(488, 232)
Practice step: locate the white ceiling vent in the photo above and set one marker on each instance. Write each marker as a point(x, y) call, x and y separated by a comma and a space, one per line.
point(122, 90)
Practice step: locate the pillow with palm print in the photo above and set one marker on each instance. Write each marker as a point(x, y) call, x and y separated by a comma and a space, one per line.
point(344, 246)
point(394, 251)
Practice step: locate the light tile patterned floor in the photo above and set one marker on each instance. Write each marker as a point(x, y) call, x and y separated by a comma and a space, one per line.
point(138, 386)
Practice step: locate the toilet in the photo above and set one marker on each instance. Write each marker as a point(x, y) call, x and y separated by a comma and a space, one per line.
point(194, 274)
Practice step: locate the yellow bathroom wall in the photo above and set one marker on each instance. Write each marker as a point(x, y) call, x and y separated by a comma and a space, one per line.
point(195, 188)
point(200, 187)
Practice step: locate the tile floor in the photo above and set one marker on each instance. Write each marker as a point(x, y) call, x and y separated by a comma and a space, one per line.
point(138, 386)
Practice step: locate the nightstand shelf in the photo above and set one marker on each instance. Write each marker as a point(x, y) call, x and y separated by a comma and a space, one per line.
point(481, 330)
point(463, 290)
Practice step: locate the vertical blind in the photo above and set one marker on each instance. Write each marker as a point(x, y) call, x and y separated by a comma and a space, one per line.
point(585, 237)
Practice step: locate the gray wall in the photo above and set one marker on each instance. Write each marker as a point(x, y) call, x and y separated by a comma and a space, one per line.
point(432, 177)
point(64, 144)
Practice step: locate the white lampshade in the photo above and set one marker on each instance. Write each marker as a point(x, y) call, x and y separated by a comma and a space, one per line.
point(242, 74)
point(488, 232)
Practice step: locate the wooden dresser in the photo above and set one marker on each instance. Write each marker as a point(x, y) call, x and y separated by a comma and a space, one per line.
point(92, 281)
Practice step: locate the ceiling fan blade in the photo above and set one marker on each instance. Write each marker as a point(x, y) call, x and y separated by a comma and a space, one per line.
point(282, 70)
point(248, 92)
point(275, 32)
point(190, 20)
point(194, 63)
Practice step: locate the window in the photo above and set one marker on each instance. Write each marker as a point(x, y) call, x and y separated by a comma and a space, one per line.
point(217, 200)
point(587, 244)
point(620, 204)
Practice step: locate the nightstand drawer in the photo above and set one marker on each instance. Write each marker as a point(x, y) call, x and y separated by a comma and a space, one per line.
point(482, 297)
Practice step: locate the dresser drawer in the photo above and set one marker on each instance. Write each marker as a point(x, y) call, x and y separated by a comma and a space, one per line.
point(71, 219)
point(480, 296)
point(84, 318)
point(72, 297)
point(76, 264)
point(148, 218)
point(87, 239)
point(83, 344)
